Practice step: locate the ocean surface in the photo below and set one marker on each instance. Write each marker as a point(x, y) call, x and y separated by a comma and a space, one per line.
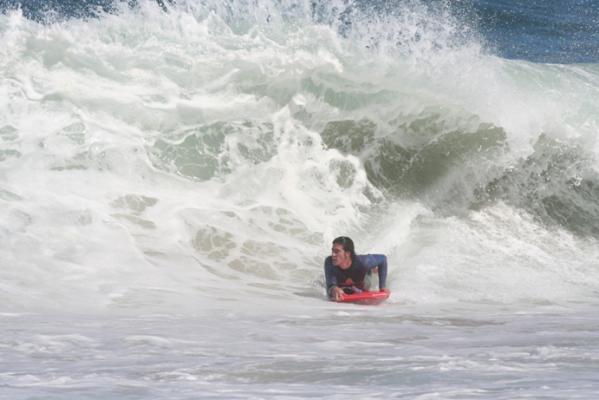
point(172, 174)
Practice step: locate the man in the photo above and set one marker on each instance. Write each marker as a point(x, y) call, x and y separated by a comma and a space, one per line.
point(345, 271)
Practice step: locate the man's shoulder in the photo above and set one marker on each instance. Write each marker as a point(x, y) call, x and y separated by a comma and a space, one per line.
point(369, 255)
point(368, 260)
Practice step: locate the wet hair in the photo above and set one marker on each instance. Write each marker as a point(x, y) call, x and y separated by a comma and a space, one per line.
point(347, 243)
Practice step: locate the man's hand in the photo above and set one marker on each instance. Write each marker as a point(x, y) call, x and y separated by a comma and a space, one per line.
point(336, 293)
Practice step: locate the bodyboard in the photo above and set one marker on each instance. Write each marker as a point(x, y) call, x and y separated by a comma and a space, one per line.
point(369, 298)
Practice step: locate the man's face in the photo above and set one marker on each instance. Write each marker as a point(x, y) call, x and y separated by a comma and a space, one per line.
point(339, 256)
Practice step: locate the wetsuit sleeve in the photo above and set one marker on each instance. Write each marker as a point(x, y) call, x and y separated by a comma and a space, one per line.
point(329, 275)
point(370, 261)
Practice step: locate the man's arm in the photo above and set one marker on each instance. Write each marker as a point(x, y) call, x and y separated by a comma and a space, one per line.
point(330, 278)
point(371, 261)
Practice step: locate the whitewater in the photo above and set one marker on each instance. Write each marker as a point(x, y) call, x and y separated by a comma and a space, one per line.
point(171, 182)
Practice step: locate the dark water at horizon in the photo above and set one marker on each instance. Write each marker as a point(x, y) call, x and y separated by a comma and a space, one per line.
point(542, 31)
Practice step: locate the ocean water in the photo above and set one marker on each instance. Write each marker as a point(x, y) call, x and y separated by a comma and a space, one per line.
point(172, 175)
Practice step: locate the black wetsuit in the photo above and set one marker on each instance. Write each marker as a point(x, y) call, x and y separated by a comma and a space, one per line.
point(353, 277)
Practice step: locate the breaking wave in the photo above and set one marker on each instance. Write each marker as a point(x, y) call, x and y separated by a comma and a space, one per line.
point(148, 157)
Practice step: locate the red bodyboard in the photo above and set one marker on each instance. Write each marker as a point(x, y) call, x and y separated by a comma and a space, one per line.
point(365, 297)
